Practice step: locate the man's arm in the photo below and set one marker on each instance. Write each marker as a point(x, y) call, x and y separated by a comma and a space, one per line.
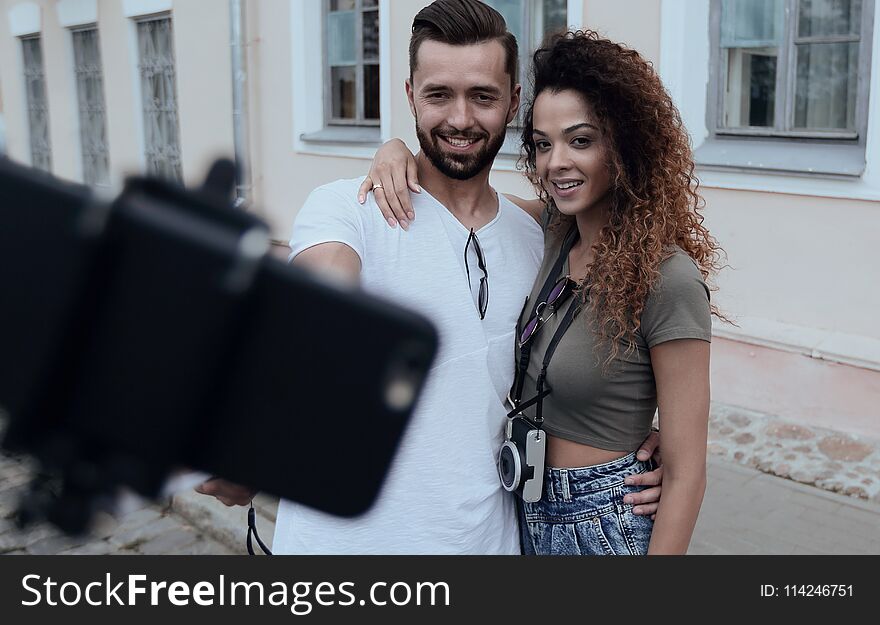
point(335, 260)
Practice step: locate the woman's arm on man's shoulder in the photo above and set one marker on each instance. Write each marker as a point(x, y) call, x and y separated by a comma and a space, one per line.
point(535, 208)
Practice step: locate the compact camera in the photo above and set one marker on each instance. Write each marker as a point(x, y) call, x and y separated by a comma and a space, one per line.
point(521, 459)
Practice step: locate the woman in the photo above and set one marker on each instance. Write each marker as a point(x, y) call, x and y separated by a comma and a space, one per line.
point(626, 259)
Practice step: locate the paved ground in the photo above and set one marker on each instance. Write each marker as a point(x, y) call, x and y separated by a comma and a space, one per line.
point(151, 529)
point(749, 512)
point(745, 512)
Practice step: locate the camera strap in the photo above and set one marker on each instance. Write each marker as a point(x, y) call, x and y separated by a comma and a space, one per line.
point(526, 350)
point(573, 309)
point(252, 531)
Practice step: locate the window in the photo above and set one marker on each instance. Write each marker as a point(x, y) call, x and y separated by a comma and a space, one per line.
point(530, 21)
point(352, 62)
point(786, 71)
point(92, 112)
point(38, 107)
point(159, 93)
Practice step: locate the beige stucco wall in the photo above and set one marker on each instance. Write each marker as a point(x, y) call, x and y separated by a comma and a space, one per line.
point(12, 90)
point(635, 23)
point(802, 260)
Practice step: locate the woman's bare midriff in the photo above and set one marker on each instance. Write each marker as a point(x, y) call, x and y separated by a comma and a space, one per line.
point(566, 454)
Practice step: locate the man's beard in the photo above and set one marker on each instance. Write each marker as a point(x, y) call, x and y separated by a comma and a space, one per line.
point(459, 166)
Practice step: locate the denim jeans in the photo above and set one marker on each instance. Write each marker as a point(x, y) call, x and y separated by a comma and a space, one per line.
point(581, 512)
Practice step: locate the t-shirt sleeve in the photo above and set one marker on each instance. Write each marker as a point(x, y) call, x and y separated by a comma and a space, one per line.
point(329, 217)
point(679, 306)
point(545, 218)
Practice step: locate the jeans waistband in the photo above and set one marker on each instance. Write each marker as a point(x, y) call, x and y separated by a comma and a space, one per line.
point(562, 484)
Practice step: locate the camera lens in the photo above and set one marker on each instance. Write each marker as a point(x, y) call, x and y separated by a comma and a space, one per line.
point(509, 466)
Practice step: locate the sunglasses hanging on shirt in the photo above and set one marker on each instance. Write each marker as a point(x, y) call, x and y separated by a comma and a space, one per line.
point(483, 298)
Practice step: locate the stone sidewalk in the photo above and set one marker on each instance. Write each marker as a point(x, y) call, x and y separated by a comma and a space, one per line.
point(151, 529)
point(745, 512)
point(775, 487)
point(830, 460)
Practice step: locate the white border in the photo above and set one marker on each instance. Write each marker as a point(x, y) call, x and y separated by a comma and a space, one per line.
point(684, 67)
point(137, 92)
point(72, 13)
point(74, 102)
point(25, 19)
point(137, 8)
point(307, 79)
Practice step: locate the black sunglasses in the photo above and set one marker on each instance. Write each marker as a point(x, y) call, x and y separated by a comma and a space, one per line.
point(483, 298)
point(560, 292)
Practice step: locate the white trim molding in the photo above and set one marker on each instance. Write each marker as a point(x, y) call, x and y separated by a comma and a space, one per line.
point(575, 13)
point(306, 37)
point(138, 8)
point(837, 347)
point(73, 13)
point(25, 19)
point(684, 68)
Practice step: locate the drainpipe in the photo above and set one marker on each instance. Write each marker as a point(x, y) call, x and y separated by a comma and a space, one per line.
point(238, 35)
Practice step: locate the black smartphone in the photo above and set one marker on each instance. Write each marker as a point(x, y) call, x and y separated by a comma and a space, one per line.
point(155, 332)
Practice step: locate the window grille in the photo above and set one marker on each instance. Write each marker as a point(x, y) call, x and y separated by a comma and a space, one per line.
point(92, 110)
point(159, 90)
point(37, 104)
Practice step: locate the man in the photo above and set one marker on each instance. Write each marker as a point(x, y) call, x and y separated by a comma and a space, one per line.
point(468, 264)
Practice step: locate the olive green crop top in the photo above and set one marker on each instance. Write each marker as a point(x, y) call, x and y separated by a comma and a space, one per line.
point(612, 407)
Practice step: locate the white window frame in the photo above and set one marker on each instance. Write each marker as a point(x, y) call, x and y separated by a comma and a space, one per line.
point(685, 57)
point(311, 133)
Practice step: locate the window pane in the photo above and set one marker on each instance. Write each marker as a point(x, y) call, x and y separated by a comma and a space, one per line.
point(512, 10)
point(371, 35)
point(342, 5)
point(159, 90)
point(38, 107)
point(90, 91)
point(341, 39)
point(371, 3)
point(549, 16)
point(751, 23)
point(826, 85)
point(371, 92)
point(344, 88)
point(751, 31)
point(829, 17)
point(751, 88)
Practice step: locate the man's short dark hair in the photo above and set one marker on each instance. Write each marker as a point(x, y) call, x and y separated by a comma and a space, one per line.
point(459, 23)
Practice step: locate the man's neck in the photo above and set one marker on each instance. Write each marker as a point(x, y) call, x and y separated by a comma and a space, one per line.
point(473, 202)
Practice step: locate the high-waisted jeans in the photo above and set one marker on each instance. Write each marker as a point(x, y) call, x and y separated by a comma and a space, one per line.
point(581, 512)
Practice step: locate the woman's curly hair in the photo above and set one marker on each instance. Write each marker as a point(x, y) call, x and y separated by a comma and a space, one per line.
point(654, 203)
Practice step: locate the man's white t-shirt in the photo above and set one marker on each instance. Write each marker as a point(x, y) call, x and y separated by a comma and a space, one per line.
point(442, 494)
